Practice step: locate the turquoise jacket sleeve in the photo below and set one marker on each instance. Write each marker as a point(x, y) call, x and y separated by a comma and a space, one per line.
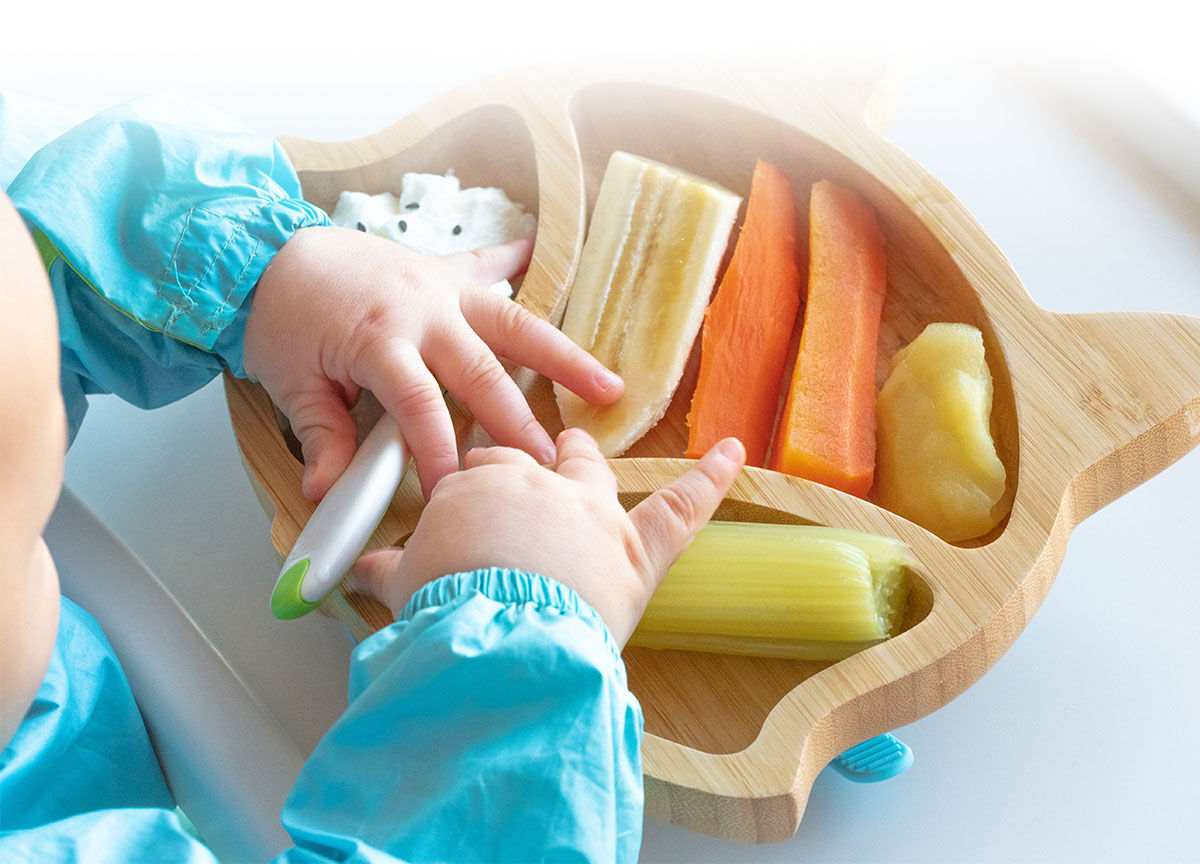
point(491, 722)
point(155, 220)
point(82, 745)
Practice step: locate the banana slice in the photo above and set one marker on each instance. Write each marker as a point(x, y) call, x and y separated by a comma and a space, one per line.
point(647, 269)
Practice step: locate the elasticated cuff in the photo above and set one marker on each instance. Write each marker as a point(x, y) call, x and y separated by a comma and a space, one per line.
point(230, 278)
point(509, 587)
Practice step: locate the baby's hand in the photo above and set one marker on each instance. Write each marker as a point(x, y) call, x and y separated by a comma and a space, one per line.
point(338, 311)
point(505, 510)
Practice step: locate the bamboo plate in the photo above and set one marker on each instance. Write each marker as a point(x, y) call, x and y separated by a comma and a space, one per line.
point(1086, 407)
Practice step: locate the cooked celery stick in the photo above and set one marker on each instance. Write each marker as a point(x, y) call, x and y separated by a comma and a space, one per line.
point(802, 591)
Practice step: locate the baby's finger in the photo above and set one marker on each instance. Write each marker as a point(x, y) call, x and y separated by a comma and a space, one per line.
point(326, 434)
point(488, 264)
point(397, 376)
point(370, 573)
point(513, 331)
point(378, 574)
point(472, 373)
point(580, 459)
point(668, 519)
point(478, 456)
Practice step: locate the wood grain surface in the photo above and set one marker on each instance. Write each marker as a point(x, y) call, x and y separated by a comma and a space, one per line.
point(1086, 407)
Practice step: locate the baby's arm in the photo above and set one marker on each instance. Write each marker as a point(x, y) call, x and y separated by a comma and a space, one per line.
point(493, 721)
point(157, 221)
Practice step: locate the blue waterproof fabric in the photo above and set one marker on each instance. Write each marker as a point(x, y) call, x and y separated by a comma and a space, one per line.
point(496, 723)
point(83, 745)
point(165, 214)
point(491, 722)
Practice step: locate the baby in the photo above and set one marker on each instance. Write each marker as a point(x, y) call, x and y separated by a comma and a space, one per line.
point(492, 720)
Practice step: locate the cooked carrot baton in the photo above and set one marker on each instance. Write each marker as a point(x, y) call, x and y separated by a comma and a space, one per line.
point(827, 429)
point(743, 347)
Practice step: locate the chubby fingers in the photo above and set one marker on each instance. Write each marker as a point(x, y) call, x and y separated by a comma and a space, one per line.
point(668, 519)
point(326, 434)
point(379, 574)
point(490, 264)
point(469, 369)
point(513, 331)
point(395, 372)
point(580, 459)
point(371, 572)
point(480, 456)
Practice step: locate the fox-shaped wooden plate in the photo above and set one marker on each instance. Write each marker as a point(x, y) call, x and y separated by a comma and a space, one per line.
point(1086, 407)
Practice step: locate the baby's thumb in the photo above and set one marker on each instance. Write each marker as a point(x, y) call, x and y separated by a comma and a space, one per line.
point(372, 572)
point(327, 436)
point(668, 519)
point(489, 264)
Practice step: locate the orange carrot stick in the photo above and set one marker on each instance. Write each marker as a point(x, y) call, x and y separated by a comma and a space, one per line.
point(827, 430)
point(743, 347)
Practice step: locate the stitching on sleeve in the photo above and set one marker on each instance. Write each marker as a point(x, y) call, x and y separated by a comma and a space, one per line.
point(238, 231)
point(186, 304)
point(187, 221)
point(214, 321)
point(228, 298)
point(161, 284)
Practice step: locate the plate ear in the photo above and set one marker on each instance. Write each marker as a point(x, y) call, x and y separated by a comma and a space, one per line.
point(1127, 400)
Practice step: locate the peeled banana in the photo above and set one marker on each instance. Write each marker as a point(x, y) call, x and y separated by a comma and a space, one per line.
point(648, 266)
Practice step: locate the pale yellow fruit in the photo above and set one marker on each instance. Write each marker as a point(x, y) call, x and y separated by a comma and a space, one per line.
point(936, 462)
point(647, 269)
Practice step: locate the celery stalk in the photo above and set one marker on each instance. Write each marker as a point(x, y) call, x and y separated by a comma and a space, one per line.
point(802, 591)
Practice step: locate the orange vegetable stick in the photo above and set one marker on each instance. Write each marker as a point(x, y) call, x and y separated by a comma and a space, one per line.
point(743, 347)
point(827, 430)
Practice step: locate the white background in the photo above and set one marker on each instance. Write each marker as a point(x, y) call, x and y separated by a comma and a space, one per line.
point(1078, 745)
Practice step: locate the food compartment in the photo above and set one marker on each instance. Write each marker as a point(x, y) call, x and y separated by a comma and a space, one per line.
point(721, 141)
point(488, 146)
point(717, 703)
